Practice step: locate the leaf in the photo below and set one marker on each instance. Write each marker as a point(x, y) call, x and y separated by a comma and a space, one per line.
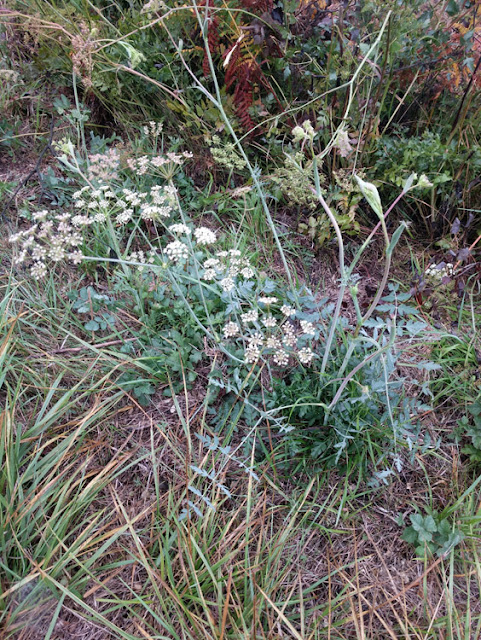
point(452, 9)
point(410, 535)
point(135, 57)
point(425, 527)
point(202, 497)
point(395, 238)
point(455, 227)
point(454, 539)
point(428, 366)
point(92, 325)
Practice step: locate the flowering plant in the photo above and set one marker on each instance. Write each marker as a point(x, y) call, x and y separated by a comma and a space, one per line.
point(292, 358)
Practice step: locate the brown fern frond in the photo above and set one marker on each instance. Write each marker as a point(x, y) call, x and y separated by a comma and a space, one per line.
point(233, 55)
point(213, 39)
point(243, 73)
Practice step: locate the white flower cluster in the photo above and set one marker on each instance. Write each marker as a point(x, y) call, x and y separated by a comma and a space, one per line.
point(279, 343)
point(165, 165)
point(57, 236)
point(275, 338)
point(142, 258)
point(227, 267)
point(180, 228)
point(438, 272)
point(268, 328)
point(266, 331)
point(204, 236)
point(104, 166)
point(52, 237)
point(123, 206)
point(177, 251)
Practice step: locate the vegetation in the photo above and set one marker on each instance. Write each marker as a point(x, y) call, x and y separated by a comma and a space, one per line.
point(240, 385)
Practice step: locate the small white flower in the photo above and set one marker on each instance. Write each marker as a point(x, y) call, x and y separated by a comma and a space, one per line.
point(74, 239)
point(288, 311)
point(77, 221)
point(57, 253)
point(268, 300)
point(281, 358)
point(227, 284)
point(213, 263)
point(251, 355)
point(247, 272)
point(78, 194)
point(63, 217)
point(76, 257)
point(269, 321)
point(231, 329)
point(21, 257)
point(250, 316)
point(308, 328)
point(40, 215)
point(124, 216)
point(273, 343)
point(305, 355)
point(204, 236)
point(235, 253)
point(209, 275)
point(153, 211)
point(256, 340)
point(38, 270)
point(39, 253)
point(180, 228)
point(177, 251)
point(233, 271)
point(63, 227)
point(289, 335)
point(28, 242)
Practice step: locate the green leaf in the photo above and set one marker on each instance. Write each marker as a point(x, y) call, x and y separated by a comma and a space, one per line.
point(92, 325)
point(395, 238)
point(452, 9)
point(410, 535)
point(425, 527)
point(454, 539)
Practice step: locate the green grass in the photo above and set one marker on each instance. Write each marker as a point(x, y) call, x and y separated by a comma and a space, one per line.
point(90, 524)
